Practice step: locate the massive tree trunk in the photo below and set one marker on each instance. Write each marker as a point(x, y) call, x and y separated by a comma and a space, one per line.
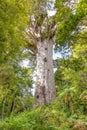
point(44, 86)
point(41, 26)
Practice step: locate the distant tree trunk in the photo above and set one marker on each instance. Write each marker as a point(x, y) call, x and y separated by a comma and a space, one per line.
point(12, 104)
point(3, 108)
point(44, 86)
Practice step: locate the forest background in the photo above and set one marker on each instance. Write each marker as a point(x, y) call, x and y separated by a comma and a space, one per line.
point(69, 109)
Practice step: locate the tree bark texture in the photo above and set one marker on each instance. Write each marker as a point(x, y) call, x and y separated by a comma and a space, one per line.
point(44, 86)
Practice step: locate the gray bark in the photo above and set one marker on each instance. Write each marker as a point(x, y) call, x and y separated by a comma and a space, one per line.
point(44, 86)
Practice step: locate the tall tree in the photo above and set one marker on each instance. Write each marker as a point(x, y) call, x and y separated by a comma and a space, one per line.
point(41, 33)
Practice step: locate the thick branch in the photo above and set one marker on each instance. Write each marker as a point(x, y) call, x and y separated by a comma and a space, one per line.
point(32, 36)
point(52, 28)
point(32, 41)
point(52, 32)
point(32, 47)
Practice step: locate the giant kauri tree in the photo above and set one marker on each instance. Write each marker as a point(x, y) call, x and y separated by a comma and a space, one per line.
point(41, 31)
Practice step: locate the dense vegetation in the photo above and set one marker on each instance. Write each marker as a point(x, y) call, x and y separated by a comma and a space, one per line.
point(69, 110)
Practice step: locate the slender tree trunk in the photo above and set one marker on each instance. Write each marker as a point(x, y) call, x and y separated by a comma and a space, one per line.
point(44, 87)
point(3, 107)
point(12, 105)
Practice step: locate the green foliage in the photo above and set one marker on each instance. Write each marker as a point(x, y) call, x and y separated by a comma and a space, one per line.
point(71, 74)
point(44, 117)
point(44, 35)
point(70, 80)
point(14, 79)
point(13, 20)
point(68, 22)
point(15, 86)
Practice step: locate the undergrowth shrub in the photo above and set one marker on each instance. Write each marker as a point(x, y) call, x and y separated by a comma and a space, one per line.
point(45, 118)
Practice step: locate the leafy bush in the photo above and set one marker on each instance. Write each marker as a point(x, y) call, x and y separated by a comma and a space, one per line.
point(44, 118)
